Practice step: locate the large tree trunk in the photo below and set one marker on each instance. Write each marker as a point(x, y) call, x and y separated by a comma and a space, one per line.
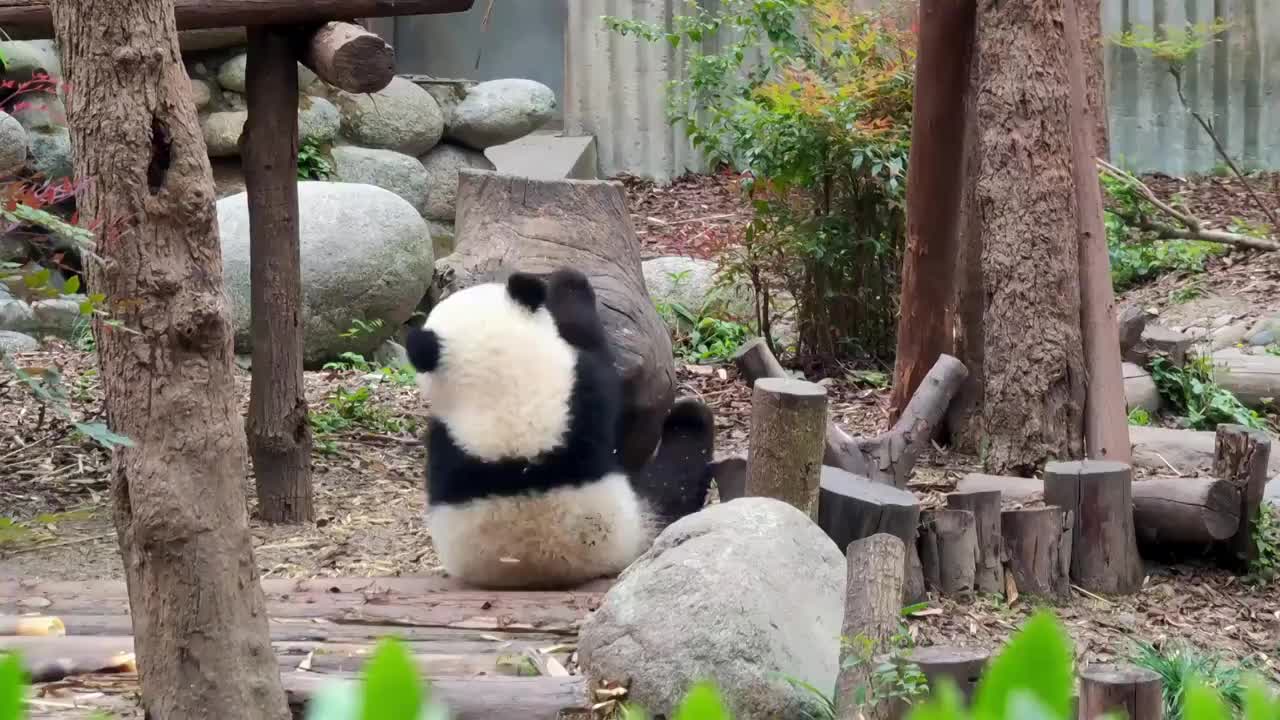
point(1030, 405)
point(1089, 16)
point(935, 175)
point(198, 609)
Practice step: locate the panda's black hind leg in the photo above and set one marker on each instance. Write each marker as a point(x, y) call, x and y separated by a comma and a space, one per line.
point(675, 482)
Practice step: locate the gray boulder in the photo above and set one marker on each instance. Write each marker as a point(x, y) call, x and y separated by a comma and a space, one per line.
point(691, 282)
point(366, 255)
point(401, 117)
point(1264, 332)
point(387, 169)
point(442, 165)
point(49, 153)
point(740, 593)
point(59, 317)
point(499, 111)
point(25, 58)
point(318, 120)
point(444, 238)
point(201, 93)
point(231, 76)
point(13, 342)
point(13, 145)
point(222, 132)
point(1140, 389)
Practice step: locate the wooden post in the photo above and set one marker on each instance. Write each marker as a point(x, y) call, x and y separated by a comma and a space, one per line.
point(788, 426)
point(1185, 510)
point(1037, 543)
point(1099, 494)
point(851, 508)
point(872, 605)
point(985, 506)
point(949, 551)
point(350, 58)
point(1240, 457)
point(963, 666)
point(1134, 692)
point(277, 427)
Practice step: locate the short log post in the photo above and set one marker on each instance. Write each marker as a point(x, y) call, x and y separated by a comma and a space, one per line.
point(1132, 692)
point(278, 431)
point(872, 605)
point(1037, 545)
point(1240, 457)
point(949, 551)
point(1196, 511)
point(350, 57)
point(962, 666)
point(788, 429)
point(985, 506)
point(851, 508)
point(1099, 494)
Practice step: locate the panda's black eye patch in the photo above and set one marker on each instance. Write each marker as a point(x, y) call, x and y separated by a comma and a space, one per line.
point(423, 348)
point(527, 289)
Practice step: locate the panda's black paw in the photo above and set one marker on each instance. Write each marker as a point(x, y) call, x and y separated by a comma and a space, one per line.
point(423, 348)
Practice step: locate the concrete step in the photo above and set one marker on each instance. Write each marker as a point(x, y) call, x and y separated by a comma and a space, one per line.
point(547, 155)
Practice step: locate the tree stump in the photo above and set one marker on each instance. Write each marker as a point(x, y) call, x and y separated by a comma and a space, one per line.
point(1134, 692)
point(509, 223)
point(985, 506)
point(784, 456)
point(1037, 545)
point(851, 508)
point(1240, 457)
point(963, 666)
point(872, 604)
point(949, 551)
point(1185, 510)
point(1099, 494)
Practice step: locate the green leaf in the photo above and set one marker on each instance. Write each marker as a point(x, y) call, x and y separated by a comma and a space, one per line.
point(1200, 702)
point(71, 286)
point(945, 704)
point(1037, 660)
point(391, 686)
point(702, 703)
point(11, 688)
point(99, 433)
point(1259, 704)
point(335, 701)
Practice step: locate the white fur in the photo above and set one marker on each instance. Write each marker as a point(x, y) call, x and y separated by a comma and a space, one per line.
point(558, 539)
point(502, 384)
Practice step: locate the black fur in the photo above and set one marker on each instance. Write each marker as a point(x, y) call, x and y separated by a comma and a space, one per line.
point(527, 289)
point(572, 302)
point(423, 348)
point(675, 483)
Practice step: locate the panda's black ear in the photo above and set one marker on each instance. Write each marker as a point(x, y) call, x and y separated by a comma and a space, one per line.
point(527, 289)
point(423, 348)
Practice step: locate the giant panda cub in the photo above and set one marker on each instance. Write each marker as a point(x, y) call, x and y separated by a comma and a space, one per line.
point(524, 485)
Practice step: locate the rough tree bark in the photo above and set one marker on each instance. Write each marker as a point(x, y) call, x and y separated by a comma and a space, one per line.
point(198, 610)
point(1030, 405)
point(934, 180)
point(277, 426)
point(1089, 19)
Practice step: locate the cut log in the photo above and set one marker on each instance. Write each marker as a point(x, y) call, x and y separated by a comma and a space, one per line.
point(33, 625)
point(890, 456)
point(350, 58)
point(951, 539)
point(1132, 692)
point(963, 666)
point(985, 506)
point(784, 457)
point(1011, 489)
point(1241, 457)
point(851, 508)
point(1037, 545)
point(1182, 452)
point(507, 223)
point(1185, 510)
point(1099, 495)
point(730, 475)
point(492, 698)
point(1140, 389)
point(872, 606)
point(1254, 379)
point(30, 19)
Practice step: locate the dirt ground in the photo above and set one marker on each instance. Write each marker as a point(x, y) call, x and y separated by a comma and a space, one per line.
point(55, 518)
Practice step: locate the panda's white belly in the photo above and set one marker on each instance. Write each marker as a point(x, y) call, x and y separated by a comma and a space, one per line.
point(558, 539)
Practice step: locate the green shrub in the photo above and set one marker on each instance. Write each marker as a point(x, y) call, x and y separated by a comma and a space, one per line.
point(1193, 393)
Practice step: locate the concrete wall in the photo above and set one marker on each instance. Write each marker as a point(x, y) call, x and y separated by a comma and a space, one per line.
point(611, 86)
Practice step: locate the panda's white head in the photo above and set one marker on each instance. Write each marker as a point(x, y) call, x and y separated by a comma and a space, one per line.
point(495, 368)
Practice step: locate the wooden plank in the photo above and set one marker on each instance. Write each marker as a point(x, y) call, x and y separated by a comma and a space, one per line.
point(498, 698)
point(29, 19)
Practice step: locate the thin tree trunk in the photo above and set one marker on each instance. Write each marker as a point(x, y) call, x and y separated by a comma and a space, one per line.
point(200, 625)
point(935, 175)
point(1032, 400)
point(1089, 15)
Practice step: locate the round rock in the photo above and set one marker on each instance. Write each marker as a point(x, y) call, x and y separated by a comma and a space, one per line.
point(25, 58)
point(499, 111)
point(318, 120)
point(387, 169)
point(201, 93)
point(13, 144)
point(366, 255)
point(14, 342)
point(222, 132)
point(231, 75)
point(442, 165)
point(49, 153)
point(401, 117)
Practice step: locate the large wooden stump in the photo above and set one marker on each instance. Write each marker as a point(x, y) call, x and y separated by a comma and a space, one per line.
point(1185, 510)
point(1037, 543)
point(507, 223)
point(1099, 494)
point(1241, 456)
point(985, 506)
point(872, 605)
point(851, 508)
point(1134, 692)
point(949, 551)
point(784, 457)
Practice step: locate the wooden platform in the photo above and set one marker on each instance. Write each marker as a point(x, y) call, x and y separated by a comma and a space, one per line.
point(478, 647)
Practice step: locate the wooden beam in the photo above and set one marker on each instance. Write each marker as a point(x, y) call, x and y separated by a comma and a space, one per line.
point(350, 58)
point(29, 19)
